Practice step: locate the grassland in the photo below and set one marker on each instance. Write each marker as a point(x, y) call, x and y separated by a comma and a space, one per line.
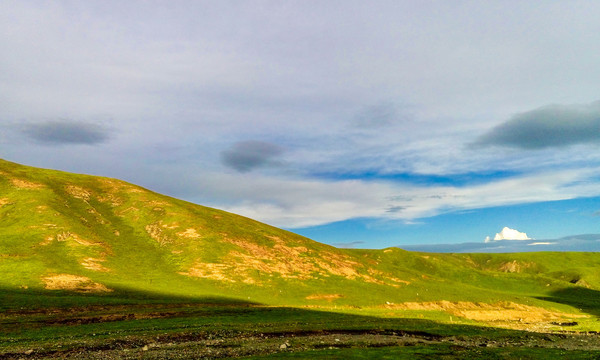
point(99, 268)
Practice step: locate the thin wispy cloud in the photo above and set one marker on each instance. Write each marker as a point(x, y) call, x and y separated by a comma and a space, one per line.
point(379, 116)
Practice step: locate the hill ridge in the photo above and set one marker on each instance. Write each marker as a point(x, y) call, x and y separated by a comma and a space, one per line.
point(92, 215)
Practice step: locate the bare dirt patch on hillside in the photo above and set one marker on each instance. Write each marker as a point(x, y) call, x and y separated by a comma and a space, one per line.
point(156, 232)
point(24, 184)
point(111, 188)
point(189, 234)
point(94, 264)
point(73, 283)
point(516, 266)
point(70, 236)
point(77, 192)
point(221, 272)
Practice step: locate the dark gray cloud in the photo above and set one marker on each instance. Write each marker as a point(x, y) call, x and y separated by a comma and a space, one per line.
point(395, 209)
point(58, 132)
point(248, 155)
point(549, 126)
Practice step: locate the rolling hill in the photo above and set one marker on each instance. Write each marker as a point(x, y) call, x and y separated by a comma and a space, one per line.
point(96, 239)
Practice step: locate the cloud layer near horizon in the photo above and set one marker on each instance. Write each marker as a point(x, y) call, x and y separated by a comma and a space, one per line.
point(297, 203)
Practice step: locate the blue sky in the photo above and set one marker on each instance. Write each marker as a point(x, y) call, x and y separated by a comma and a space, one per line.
point(366, 124)
point(541, 221)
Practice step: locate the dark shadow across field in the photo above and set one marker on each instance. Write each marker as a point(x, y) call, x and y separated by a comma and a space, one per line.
point(23, 299)
point(50, 307)
point(127, 324)
point(55, 322)
point(584, 299)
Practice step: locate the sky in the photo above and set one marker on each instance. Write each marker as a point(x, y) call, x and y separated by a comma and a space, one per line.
point(356, 123)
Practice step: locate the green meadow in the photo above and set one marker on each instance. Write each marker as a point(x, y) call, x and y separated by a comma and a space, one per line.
point(94, 267)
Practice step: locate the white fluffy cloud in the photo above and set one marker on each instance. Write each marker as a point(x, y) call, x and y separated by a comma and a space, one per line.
point(509, 234)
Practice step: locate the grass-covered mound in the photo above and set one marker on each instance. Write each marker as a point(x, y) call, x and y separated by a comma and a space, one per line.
point(79, 240)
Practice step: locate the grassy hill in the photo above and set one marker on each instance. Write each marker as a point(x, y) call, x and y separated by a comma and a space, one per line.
point(76, 239)
point(63, 231)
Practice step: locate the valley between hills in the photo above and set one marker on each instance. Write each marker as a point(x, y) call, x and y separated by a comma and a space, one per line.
point(98, 268)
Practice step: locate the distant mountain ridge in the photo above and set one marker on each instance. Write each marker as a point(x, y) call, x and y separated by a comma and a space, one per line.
point(584, 242)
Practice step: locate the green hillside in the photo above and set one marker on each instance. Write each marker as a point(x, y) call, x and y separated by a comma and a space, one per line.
point(70, 239)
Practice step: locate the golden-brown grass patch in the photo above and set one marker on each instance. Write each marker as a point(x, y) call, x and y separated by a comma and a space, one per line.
point(515, 266)
point(505, 314)
point(94, 264)
point(189, 234)
point(211, 271)
point(24, 184)
point(328, 297)
point(73, 283)
point(155, 231)
point(78, 192)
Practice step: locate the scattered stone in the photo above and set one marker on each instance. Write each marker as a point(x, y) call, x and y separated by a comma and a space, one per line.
point(570, 323)
point(283, 346)
point(28, 352)
point(145, 348)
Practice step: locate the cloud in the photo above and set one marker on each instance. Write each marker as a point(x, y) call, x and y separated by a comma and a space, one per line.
point(509, 234)
point(394, 209)
point(295, 203)
point(248, 155)
point(549, 126)
point(59, 132)
point(334, 89)
point(378, 116)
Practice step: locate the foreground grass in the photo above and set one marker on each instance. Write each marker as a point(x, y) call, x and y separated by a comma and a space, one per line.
point(438, 351)
point(142, 327)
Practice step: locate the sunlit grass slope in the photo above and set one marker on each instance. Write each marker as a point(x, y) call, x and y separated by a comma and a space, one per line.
point(96, 237)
